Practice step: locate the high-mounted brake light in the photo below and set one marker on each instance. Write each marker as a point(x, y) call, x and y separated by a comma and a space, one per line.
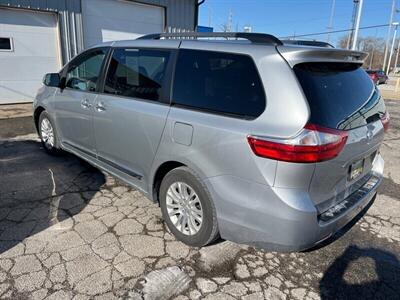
point(385, 119)
point(313, 144)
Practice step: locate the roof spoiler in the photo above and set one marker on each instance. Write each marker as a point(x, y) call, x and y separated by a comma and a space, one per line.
point(295, 55)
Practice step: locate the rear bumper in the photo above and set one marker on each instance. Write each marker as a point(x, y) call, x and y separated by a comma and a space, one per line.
point(277, 218)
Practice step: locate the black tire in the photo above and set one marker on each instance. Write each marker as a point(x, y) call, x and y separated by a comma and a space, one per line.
point(208, 231)
point(52, 150)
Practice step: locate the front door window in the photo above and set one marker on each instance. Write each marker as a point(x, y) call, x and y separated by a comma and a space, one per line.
point(83, 73)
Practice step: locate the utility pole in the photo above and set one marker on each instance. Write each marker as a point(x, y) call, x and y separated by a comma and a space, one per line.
point(360, 5)
point(396, 24)
point(330, 26)
point(388, 34)
point(230, 18)
point(397, 56)
point(353, 23)
point(209, 16)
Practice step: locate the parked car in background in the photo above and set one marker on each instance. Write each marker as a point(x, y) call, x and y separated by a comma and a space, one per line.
point(252, 140)
point(378, 76)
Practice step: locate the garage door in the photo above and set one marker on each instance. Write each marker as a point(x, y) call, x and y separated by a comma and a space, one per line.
point(109, 20)
point(29, 48)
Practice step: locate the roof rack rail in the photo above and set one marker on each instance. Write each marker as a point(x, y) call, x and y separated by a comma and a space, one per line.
point(308, 43)
point(256, 38)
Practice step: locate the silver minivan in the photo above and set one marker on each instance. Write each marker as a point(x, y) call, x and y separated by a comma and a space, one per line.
point(235, 135)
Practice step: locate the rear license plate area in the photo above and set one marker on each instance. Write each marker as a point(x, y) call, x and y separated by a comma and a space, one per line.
point(356, 169)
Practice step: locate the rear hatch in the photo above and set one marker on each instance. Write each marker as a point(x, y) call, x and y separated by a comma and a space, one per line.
point(341, 96)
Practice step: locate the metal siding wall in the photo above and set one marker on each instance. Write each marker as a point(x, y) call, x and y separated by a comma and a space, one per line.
point(70, 21)
point(47, 5)
point(71, 34)
point(180, 13)
point(180, 16)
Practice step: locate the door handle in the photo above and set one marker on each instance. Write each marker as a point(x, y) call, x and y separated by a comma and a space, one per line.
point(100, 106)
point(86, 104)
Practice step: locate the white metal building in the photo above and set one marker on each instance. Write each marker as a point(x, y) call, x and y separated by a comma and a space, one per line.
point(39, 36)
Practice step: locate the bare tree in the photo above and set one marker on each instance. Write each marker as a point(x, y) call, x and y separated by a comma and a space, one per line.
point(374, 46)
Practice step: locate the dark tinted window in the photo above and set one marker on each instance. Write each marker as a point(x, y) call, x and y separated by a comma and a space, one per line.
point(218, 82)
point(83, 72)
point(137, 73)
point(5, 44)
point(340, 95)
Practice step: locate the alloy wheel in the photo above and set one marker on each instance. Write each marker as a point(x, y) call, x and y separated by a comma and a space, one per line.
point(184, 208)
point(47, 133)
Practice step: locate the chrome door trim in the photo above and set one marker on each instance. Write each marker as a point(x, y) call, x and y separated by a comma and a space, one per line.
point(106, 161)
point(120, 168)
point(80, 149)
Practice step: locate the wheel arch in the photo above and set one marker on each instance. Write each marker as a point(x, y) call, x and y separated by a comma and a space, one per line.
point(36, 116)
point(159, 175)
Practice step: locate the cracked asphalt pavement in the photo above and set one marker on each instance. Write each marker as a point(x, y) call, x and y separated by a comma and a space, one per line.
point(69, 231)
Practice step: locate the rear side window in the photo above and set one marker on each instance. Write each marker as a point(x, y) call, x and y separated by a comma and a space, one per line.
point(218, 82)
point(340, 95)
point(137, 73)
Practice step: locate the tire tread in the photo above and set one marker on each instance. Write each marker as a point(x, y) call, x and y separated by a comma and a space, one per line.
point(214, 234)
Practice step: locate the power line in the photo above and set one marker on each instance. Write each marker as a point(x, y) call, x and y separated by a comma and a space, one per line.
point(334, 31)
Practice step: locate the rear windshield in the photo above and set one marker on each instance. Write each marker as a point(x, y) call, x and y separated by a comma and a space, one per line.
point(340, 95)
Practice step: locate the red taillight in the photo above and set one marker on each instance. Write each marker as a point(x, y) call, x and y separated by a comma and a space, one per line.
point(385, 118)
point(312, 144)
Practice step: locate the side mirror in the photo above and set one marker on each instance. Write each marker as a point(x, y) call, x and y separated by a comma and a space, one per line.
point(52, 79)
